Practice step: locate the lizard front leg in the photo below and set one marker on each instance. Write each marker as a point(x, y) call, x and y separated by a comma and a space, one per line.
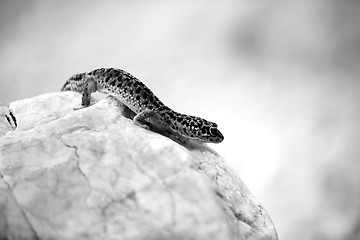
point(140, 118)
point(151, 120)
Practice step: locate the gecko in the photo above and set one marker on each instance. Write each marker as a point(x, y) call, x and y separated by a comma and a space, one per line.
point(147, 107)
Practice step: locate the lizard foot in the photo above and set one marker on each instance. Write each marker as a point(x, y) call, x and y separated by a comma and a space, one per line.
point(81, 107)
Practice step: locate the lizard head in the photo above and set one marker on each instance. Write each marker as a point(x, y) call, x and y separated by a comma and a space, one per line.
point(210, 133)
point(199, 129)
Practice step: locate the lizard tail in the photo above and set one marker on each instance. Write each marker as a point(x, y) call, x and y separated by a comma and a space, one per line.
point(75, 83)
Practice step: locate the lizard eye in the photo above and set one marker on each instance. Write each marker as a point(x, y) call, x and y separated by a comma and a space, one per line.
point(216, 135)
point(213, 131)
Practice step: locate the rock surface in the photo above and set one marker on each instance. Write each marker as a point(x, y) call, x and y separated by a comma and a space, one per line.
point(93, 174)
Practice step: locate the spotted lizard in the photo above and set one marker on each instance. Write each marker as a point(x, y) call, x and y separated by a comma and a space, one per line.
point(147, 108)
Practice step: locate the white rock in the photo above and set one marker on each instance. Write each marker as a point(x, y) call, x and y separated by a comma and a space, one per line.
point(93, 174)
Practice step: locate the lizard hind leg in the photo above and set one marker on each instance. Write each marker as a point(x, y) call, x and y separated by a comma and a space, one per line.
point(90, 87)
point(85, 101)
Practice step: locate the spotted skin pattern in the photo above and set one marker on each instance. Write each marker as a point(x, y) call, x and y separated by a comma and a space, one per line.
point(142, 101)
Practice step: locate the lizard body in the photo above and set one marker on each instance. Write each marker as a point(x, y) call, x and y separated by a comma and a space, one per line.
point(143, 102)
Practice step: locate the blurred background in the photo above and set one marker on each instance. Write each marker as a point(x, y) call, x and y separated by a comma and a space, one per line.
point(280, 77)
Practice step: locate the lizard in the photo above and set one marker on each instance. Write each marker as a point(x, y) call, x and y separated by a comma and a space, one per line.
point(147, 107)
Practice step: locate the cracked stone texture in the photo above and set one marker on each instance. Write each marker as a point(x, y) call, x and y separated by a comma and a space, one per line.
point(93, 174)
point(4, 124)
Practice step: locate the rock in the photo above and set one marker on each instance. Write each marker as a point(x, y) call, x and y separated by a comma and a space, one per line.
point(6, 120)
point(93, 174)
